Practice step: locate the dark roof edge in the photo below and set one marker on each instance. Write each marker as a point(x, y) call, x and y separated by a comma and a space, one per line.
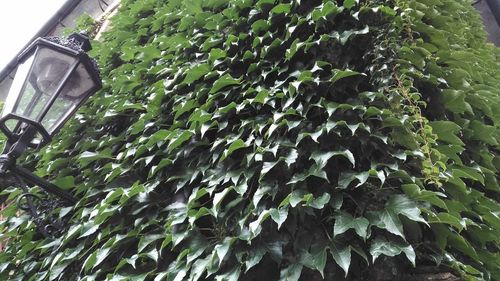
point(64, 11)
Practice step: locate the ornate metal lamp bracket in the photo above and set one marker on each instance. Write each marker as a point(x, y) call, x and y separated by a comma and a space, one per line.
point(40, 208)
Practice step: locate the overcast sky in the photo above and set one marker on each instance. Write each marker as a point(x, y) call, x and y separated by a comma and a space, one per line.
point(19, 21)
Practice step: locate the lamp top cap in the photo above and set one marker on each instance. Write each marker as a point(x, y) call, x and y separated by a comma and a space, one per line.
point(78, 42)
point(81, 39)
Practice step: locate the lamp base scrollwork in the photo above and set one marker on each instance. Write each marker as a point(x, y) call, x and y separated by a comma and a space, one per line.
point(40, 206)
point(41, 209)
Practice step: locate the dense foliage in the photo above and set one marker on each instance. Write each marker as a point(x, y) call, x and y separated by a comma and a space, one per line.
point(277, 140)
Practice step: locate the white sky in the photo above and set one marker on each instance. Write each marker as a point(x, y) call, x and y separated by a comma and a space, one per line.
point(19, 21)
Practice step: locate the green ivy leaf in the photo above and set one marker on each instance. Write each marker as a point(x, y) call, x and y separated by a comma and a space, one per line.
point(255, 255)
point(198, 269)
point(65, 182)
point(321, 158)
point(279, 215)
point(318, 202)
point(350, 3)
point(281, 9)
point(381, 246)
point(316, 258)
point(388, 217)
point(342, 255)
point(196, 73)
point(446, 131)
point(147, 240)
point(260, 26)
point(413, 191)
point(88, 157)
point(235, 145)
point(224, 81)
point(345, 221)
point(179, 139)
point(221, 250)
point(341, 74)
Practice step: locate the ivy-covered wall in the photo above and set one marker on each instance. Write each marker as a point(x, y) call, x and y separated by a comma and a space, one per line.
point(277, 140)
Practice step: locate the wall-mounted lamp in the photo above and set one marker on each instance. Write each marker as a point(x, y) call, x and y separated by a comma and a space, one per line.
point(55, 76)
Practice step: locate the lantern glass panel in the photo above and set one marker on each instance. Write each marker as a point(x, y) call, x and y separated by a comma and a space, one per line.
point(16, 89)
point(74, 92)
point(36, 84)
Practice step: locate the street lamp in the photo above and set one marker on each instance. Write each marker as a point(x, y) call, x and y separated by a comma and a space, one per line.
point(54, 78)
